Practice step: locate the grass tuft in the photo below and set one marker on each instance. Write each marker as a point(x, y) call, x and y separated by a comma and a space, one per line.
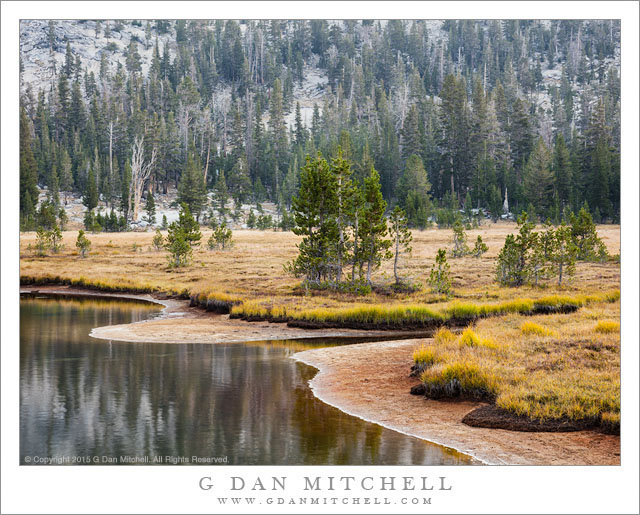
point(426, 356)
point(607, 326)
point(444, 336)
point(459, 379)
point(469, 338)
point(536, 329)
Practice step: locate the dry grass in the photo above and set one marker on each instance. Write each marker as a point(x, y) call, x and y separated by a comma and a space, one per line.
point(564, 369)
point(253, 268)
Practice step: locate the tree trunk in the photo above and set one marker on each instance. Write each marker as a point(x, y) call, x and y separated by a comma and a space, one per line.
point(560, 274)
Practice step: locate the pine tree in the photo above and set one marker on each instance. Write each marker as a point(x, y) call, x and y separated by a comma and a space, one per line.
point(278, 133)
point(413, 192)
point(300, 130)
point(562, 171)
point(183, 235)
point(440, 276)
point(83, 244)
point(90, 198)
point(150, 208)
point(314, 211)
point(28, 173)
point(345, 191)
point(538, 178)
point(514, 257)
point(564, 253)
point(373, 227)
point(221, 194)
point(191, 190)
point(495, 203)
point(460, 247)
point(479, 248)
point(158, 241)
point(65, 178)
point(401, 236)
point(589, 246)
point(411, 137)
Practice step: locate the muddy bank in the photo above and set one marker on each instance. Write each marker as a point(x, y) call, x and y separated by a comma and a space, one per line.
point(493, 417)
point(371, 381)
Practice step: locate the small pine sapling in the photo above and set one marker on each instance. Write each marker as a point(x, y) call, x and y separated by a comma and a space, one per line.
point(479, 248)
point(564, 253)
point(251, 220)
point(460, 247)
point(83, 244)
point(55, 240)
point(158, 241)
point(42, 242)
point(440, 276)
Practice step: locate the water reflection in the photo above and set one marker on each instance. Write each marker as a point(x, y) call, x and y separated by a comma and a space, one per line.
point(82, 396)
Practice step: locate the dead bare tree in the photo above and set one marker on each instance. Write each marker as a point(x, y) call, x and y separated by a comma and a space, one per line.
point(140, 172)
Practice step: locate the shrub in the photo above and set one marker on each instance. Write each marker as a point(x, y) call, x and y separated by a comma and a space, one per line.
point(533, 328)
point(607, 326)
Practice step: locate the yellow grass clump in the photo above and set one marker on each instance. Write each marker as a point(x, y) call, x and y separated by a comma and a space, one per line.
point(425, 356)
point(459, 379)
point(607, 326)
point(536, 329)
point(444, 336)
point(469, 338)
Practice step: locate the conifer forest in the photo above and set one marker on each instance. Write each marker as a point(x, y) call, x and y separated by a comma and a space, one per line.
point(494, 116)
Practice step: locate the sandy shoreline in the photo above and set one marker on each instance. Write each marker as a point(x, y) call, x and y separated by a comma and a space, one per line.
point(369, 381)
point(353, 377)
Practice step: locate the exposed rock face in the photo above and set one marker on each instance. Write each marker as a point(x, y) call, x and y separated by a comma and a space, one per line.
point(39, 58)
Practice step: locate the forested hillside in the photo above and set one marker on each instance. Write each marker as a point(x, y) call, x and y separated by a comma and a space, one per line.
point(452, 115)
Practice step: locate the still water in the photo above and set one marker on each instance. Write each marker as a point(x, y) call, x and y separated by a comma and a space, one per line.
point(97, 401)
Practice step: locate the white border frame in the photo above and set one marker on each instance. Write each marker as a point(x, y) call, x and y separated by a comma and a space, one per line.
point(175, 489)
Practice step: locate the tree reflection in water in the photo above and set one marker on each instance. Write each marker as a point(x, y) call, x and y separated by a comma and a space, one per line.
point(250, 402)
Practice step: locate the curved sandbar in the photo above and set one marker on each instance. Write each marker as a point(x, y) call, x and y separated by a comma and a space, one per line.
point(371, 381)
